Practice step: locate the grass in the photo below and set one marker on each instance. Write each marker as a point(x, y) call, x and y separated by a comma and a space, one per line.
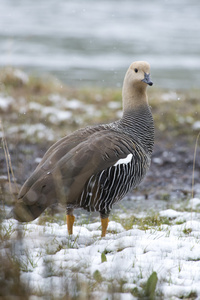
point(194, 162)
point(151, 221)
point(31, 122)
point(12, 264)
point(170, 116)
point(171, 120)
point(187, 231)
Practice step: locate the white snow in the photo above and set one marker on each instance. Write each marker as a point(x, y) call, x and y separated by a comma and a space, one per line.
point(55, 115)
point(56, 262)
point(170, 96)
point(5, 102)
point(74, 104)
point(170, 213)
point(114, 105)
point(157, 160)
point(125, 160)
point(196, 125)
point(32, 131)
point(21, 75)
point(56, 98)
point(194, 203)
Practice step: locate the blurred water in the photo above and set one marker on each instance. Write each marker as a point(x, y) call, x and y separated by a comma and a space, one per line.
point(93, 42)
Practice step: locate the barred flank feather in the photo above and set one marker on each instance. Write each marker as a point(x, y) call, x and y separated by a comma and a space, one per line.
point(109, 186)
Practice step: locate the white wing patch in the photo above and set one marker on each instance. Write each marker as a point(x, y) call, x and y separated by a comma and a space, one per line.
point(125, 160)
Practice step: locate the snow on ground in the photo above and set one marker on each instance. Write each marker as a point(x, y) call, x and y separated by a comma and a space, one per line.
point(118, 264)
point(5, 102)
point(32, 131)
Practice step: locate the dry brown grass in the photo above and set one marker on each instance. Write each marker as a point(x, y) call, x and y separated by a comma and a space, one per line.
point(173, 117)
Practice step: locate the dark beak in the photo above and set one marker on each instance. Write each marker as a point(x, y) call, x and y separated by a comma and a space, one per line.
point(147, 79)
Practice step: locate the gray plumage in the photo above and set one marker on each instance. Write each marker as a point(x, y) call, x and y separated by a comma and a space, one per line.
point(95, 167)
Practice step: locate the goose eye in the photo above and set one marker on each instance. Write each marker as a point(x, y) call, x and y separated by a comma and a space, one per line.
point(136, 70)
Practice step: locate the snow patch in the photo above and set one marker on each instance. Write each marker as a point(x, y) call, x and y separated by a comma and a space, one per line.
point(172, 251)
point(171, 96)
point(21, 75)
point(54, 114)
point(5, 102)
point(196, 125)
point(170, 213)
point(194, 203)
point(38, 130)
point(114, 105)
point(74, 104)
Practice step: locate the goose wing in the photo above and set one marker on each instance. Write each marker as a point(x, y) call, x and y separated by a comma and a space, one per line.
point(62, 177)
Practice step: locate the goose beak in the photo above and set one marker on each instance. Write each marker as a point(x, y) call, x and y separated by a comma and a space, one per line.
point(147, 79)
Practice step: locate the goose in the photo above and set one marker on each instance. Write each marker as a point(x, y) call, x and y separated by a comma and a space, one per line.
point(95, 167)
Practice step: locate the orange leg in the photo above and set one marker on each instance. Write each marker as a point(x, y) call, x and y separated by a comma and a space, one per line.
point(70, 222)
point(104, 224)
